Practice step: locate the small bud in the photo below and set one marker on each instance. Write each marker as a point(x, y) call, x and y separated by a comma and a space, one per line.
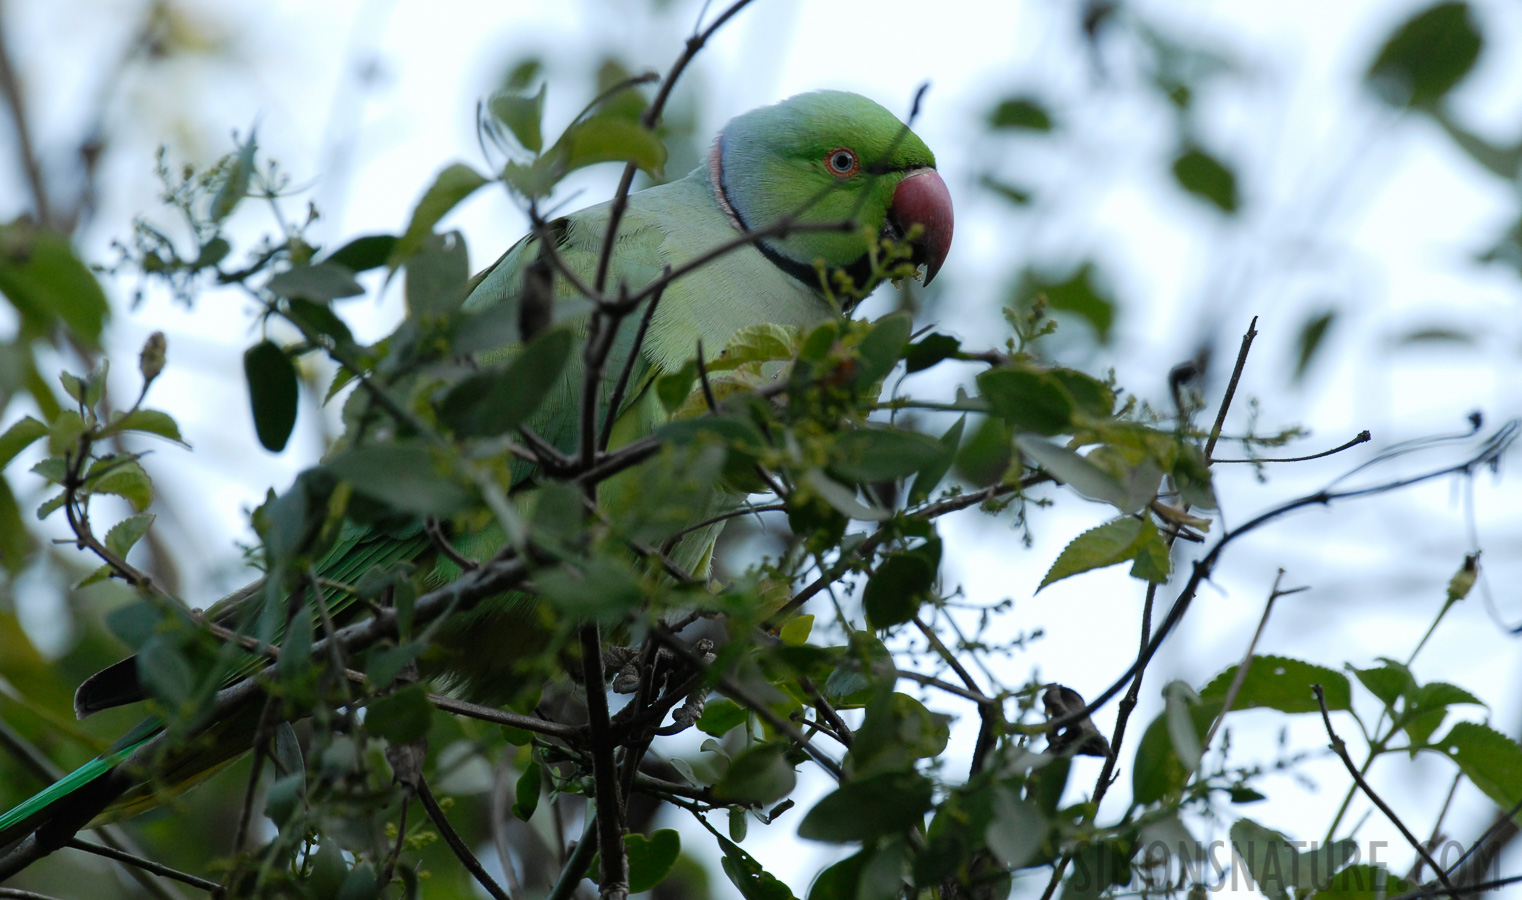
point(151, 361)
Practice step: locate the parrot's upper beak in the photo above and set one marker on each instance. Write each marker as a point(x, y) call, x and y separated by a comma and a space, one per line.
point(922, 199)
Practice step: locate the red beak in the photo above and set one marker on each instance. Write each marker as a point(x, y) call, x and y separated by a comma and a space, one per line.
point(922, 199)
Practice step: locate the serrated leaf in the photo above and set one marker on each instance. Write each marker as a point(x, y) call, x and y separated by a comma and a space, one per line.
point(1488, 758)
point(273, 393)
point(1101, 546)
point(127, 480)
point(147, 421)
point(124, 534)
point(1284, 684)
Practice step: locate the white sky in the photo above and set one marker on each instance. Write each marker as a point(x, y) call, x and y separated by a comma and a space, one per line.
point(1345, 205)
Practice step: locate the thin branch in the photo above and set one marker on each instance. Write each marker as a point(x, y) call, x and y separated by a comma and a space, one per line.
point(1241, 674)
point(731, 689)
point(573, 734)
point(651, 118)
point(616, 401)
point(147, 865)
point(452, 838)
point(1231, 387)
point(614, 864)
point(15, 102)
point(1362, 437)
point(1341, 750)
point(441, 544)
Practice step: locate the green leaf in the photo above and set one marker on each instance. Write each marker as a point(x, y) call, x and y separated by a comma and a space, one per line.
point(498, 401)
point(1016, 831)
point(1029, 400)
point(1157, 771)
point(896, 731)
point(1363, 882)
point(1179, 702)
point(320, 318)
point(47, 283)
point(759, 775)
point(295, 664)
point(147, 421)
point(873, 454)
point(1426, 57)
point(986, 456)
point(651, 859)
point(840, 881)
point(273, 393)
point(18, 437)
point(124, 534)
point(868, 808)
point(843, 499)
point(795, 633)
point(16, 542)
point(319, 283)
point(747, 875)
point(1078, 473)
point(882, 347)
point(1079, 294)
point(364, 253)
point(401, 717)
point(1269, 857)
point(522, 115)
point(64, 432)
point(1388, 682)
point(608, 139)
point(1312, 335)
point(402, 476)
point(721, 715)
point(895, 591)
point(1284, 684)
point(527, 791)
point(236, 174)
point(928, 478)
point(602, 588)
point(1488, 758)
point(452, 186)
point(438, 275)
point(930, 350)
point(1021, 112)
point(126, 479)
point(1207, 178)
point(1115, 541)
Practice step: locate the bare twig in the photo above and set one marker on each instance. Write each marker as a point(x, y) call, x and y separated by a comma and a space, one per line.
point(1241, 674)
point(614, 864)
point(1362, 437)
point(452, 838)
point(147, 865)
point(1341, 750)
point(1231, 387)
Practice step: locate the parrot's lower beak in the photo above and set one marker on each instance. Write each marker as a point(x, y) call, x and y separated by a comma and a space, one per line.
point(922, 199)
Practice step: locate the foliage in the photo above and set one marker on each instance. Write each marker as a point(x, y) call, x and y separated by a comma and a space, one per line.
point(323, 676)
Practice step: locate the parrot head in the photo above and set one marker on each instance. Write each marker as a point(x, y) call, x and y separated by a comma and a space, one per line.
point(825, 157)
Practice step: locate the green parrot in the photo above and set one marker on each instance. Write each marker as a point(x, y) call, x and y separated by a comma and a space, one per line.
point(820, 157)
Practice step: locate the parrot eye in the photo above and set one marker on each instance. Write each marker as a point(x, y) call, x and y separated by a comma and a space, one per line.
point(842, 162)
